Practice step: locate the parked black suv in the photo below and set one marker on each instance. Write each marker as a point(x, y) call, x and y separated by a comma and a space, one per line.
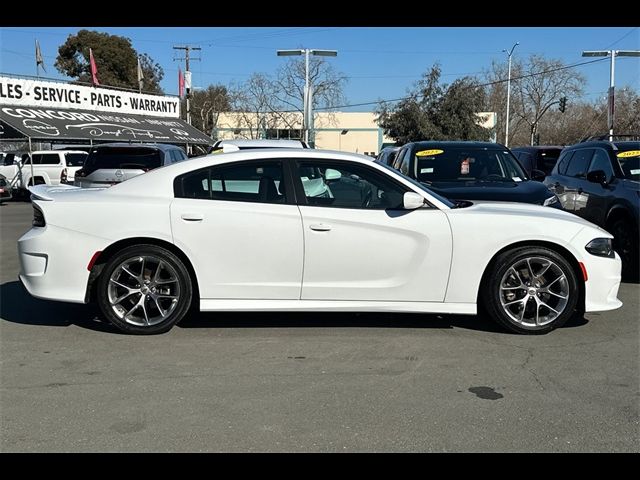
point(540, 157)
point(472, 171)
point(600, 181)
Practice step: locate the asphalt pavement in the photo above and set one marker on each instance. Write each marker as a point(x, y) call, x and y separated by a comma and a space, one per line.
point(299, 382)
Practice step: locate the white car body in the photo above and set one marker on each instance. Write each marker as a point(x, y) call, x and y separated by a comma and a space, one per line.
point(259, 256)
point(52, 171)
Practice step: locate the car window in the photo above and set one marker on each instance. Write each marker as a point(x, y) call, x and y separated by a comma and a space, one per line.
point(75, 159)
point(122, 158)
point(46, 159)
point(629, 160)
point(398, 160)
point(348, 185)
point(563, 161)
point(579, 162)
point(547, 159)
point(601, 161)
point(455, 164)
point(525, 159)
point(260, 182)
point(405, 164)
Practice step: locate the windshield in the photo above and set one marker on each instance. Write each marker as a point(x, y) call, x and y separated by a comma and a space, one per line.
point(421, 186)
point(467, 164)
point(629, 160)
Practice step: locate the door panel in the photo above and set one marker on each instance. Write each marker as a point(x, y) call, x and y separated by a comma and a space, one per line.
point(375, 254)
point(241, 249)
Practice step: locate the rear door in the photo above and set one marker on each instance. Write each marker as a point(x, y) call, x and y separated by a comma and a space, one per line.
point(559, 183)
point(576, 179)
point(240, 226)
point(597, 196)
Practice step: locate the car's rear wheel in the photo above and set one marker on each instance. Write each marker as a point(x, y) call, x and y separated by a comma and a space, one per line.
point(144, 289)
point(530, 290)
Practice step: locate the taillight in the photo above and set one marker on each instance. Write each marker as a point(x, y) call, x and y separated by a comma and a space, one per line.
point(38, 217)
point(80, 173)
point(63, 176)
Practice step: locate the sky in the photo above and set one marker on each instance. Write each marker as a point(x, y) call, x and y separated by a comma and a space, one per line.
point(380, 62)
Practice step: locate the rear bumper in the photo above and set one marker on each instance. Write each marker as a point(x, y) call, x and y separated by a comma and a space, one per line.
point(53, 263)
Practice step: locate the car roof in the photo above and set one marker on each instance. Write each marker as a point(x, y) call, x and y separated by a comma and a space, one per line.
point(599, 143)
point(262, 143)
point(456, 144)
point(156, 146)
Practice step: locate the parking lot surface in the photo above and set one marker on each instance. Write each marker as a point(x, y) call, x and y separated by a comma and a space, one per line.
point(270, 382)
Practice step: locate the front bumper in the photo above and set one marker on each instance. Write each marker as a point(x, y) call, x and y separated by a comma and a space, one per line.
point(601, 289)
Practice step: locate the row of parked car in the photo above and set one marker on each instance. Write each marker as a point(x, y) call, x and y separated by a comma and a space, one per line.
point(598, 180)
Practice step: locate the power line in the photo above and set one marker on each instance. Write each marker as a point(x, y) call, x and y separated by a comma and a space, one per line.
point(565, 67)
point(621, 38)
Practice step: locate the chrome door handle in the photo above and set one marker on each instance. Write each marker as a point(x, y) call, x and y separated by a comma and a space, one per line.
point(320, 227)
point(192, 217)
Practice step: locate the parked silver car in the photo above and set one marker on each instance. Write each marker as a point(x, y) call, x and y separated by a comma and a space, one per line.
point(112, 163)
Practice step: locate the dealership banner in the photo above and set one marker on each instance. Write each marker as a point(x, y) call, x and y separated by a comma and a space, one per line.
point(21, 92)
point(56, 124)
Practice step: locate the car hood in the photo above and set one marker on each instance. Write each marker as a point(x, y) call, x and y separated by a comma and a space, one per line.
point(536, 212)
point(527, 191)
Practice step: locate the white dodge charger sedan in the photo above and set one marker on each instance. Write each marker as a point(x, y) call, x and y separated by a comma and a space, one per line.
point(308, 230)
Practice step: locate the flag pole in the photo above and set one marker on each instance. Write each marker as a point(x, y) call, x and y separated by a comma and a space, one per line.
point(37, 63)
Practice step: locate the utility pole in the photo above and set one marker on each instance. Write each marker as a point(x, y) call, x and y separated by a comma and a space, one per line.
point(611, 97)
point(187, 74)
point(506, 133)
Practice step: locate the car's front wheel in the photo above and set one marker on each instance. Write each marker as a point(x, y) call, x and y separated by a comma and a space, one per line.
point(144, 289)
point(530, 290)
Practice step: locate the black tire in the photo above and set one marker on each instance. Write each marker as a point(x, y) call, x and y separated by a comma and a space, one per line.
point(625, 243)
point(491, 295)
point(183, 280)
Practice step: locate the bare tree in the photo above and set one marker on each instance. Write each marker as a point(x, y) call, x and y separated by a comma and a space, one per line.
point(544, 82)
point(327, 85)
point(259, 108)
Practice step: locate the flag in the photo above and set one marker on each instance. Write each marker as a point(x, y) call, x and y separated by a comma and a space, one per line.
point(94, 69)
point(180, 83)
point(140, 74)
point(39, 59)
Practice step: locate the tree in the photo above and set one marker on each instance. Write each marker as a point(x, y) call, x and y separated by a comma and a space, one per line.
point(327, 85)
point(115, 58)
point(206, 106)
point(536, 87)
point(436, 112)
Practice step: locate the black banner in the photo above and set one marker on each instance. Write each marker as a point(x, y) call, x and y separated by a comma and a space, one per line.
point(45, 124)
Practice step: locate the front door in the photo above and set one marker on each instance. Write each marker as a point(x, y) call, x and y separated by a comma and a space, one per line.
point(359, 242)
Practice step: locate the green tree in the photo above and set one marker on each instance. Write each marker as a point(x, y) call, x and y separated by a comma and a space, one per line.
point(206, 106)
point(115, 58)
point(436, 112)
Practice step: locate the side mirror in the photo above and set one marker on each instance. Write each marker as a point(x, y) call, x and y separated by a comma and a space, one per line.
point(331, 174)
point(412, 200)
point(597, 176)
point(537, 175)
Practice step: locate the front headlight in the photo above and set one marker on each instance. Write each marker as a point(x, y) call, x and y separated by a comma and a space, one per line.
point(601, 247)
point(550, 201)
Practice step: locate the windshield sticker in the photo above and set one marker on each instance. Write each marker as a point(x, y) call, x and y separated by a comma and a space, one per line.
point(630, 153)
point(428, 153)
point(635, 171)
point(426, 170)
point(464, 167)
point(516, 179)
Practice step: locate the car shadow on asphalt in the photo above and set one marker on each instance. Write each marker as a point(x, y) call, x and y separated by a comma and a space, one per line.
point(17, 306)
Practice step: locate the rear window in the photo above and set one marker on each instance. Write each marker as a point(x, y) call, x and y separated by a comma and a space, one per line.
point(46, 159)
point(123, 159)
point(75, 159)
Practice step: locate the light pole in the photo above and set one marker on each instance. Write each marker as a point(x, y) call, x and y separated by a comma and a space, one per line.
point(307, 101)
point(611, 101)
point(506, 132)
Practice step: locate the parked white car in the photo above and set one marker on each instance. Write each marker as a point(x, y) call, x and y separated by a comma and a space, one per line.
point(308, 230)
point(50, 167)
